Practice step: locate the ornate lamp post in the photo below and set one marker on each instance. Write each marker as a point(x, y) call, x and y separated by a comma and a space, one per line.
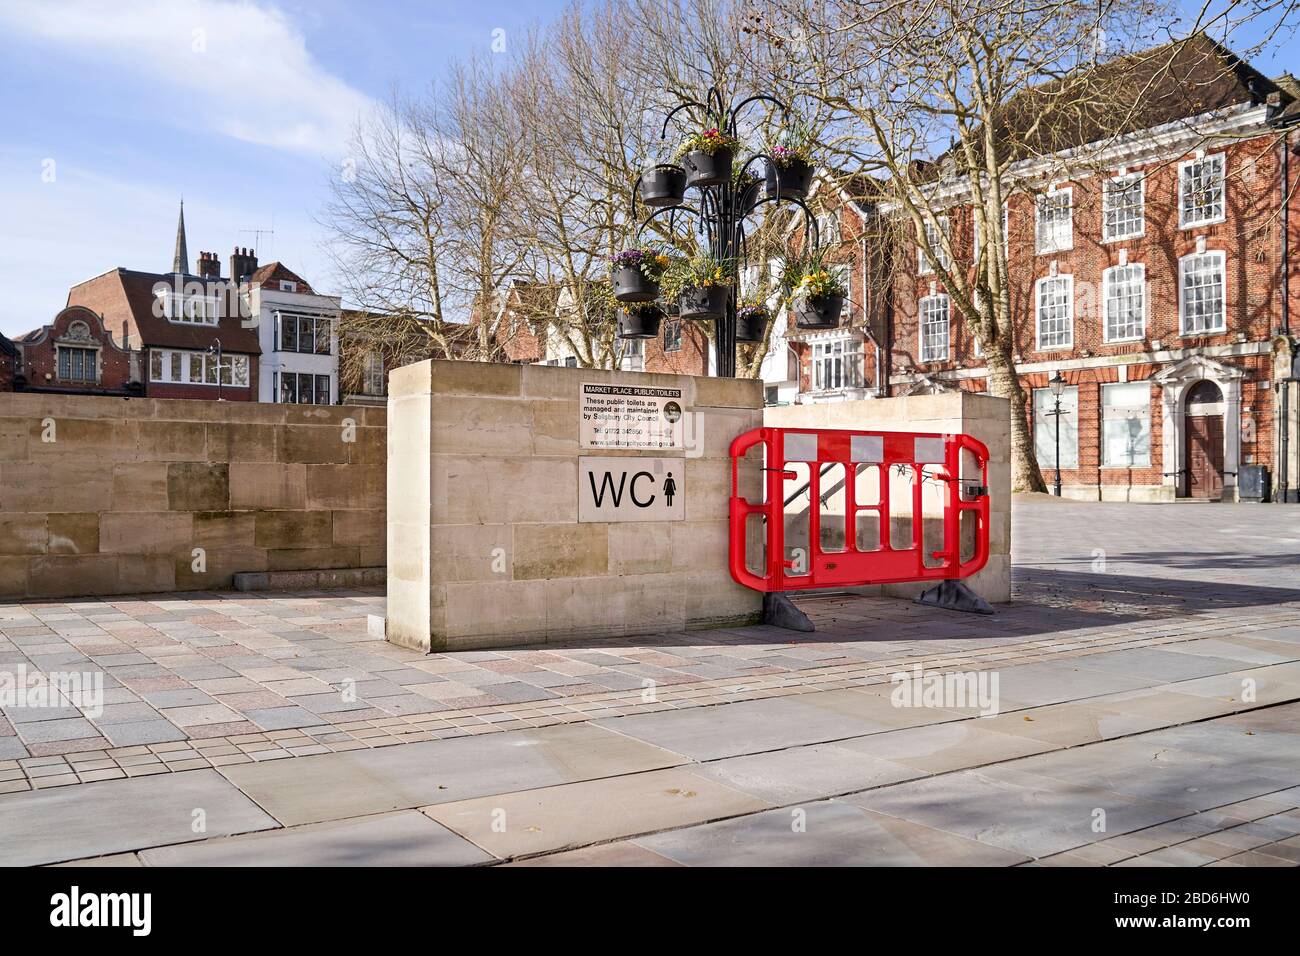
point(1057, 384)
point(726, 195)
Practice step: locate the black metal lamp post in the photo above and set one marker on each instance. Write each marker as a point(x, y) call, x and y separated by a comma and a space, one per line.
point(215, 351)
point(1057, 384)
point(724, 202)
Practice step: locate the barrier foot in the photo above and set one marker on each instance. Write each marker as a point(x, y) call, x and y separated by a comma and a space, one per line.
point(954, 596)
point(779, 611)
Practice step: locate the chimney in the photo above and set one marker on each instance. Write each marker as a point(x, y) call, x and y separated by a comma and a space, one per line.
point(209, 266)
point(243, 263)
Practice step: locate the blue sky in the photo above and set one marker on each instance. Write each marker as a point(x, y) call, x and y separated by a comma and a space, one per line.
point(114, 110)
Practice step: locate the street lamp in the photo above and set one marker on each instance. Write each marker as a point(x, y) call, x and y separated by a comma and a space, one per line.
point(1057, 384)
point(728, 191)
point(215, 351)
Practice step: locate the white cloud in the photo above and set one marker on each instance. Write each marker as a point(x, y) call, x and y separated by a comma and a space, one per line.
point(239, 68)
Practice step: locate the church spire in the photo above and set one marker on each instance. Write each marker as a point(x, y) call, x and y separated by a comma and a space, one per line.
point(181, 261)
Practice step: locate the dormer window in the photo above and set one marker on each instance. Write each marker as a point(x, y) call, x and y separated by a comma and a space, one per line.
point(189, 309)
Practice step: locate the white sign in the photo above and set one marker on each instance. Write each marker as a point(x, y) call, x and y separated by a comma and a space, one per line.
point(631, 489)
point(631, 416)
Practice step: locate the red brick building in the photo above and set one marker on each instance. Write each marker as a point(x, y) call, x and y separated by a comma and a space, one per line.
point(8, 364)
point(76, 353)
point(180, 323)
point(1160, 284)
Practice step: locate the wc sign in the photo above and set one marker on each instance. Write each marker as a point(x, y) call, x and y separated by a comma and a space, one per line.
point(631, 489)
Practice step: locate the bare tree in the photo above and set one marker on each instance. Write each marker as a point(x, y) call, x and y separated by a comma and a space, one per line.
point(955, 105)
point(385, 217)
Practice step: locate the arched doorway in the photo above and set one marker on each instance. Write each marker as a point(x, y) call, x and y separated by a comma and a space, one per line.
point(1203, 420)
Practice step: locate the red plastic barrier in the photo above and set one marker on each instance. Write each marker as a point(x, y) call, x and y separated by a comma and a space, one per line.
point(855, 566)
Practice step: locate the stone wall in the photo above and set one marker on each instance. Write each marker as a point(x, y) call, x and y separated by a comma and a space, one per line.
point(980, 416)
point(484, 539)
point(119, 496)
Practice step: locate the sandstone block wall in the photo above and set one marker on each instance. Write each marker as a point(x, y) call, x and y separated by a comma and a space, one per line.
point(484, 543)
point(121, 496)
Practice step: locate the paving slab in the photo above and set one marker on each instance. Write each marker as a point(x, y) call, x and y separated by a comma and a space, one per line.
point(1157, 664)
point(45, 731)
point(1245, 649)
point(812, 772)
point(557, 818)
point(1025, 813)
point(1165, 704)
point(1051, 682)
point(941, 748)
point(1069, 725)
point(1149, 768)
point(823, 834)
point(357, 782)
point(1272, 684)
point(405, 838)
point(65, 823)
point(140, 732)
point(772, 724)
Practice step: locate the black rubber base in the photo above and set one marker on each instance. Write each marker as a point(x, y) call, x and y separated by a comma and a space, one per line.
point(780, 611)
point(954, 596)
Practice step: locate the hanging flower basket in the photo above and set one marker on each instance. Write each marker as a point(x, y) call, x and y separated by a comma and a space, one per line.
point(707, 169)
point(817, 311)
point(664, 185)
point(816, 293)
point(700, 285)
point(703, 303)
point(635, 274)
point(751, 323)
point(639, 322)
point(707, 157)
point(796, 178)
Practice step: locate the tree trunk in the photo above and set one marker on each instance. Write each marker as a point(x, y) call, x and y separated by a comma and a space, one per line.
point(1004, 383)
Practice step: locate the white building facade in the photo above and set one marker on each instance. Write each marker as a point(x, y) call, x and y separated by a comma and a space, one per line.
point(298, 335)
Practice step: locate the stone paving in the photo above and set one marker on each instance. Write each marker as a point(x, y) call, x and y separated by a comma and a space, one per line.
point(1116, 649)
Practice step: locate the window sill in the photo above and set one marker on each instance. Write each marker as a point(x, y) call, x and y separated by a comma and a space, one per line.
point(1122, 467)
point(1201, 335)
point(1055, 348)
point(840, 390)
point(1203, 223)
point(1053, 252)
point(1127, 341)
point(1136, 235)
